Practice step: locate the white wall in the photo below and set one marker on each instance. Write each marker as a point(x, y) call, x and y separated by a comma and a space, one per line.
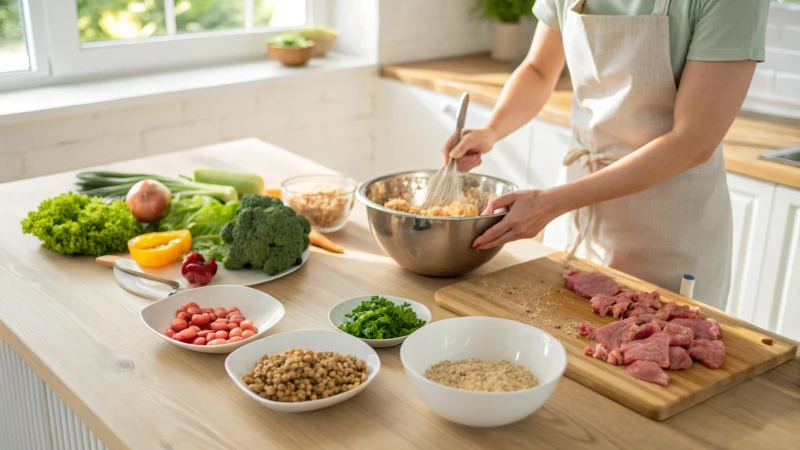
point(776, 84)
point(328, 119)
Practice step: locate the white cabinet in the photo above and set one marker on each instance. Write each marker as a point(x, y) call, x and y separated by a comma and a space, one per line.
point(414, 124)
point(751, 201)
point(778, 304)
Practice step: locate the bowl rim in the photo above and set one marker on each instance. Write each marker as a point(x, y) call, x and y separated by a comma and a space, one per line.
point(363, 198)
point(390, 298)
point(348, 190)
point(370, 376)
point(233, 346)
point(428, 382)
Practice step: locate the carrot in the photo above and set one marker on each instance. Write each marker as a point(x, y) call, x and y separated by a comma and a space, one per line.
point(273, 192)
point(321, 241)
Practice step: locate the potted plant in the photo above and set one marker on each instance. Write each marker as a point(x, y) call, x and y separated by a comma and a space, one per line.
point(507, 29)
point(290, 49)
point(323, 39)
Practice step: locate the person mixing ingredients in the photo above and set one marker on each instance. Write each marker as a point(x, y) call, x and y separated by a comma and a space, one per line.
point(657, 84)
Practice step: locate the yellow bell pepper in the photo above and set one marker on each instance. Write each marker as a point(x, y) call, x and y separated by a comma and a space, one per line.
point(160, 249)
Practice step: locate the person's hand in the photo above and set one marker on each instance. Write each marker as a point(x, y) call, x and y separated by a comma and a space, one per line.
point(529, 212)
point(473, 144)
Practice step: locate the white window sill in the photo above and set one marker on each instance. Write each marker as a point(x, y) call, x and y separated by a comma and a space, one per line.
point(53, 101)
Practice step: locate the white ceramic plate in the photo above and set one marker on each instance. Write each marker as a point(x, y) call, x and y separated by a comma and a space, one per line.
point(243, 361)
point(263, 309)
point(336, 317)
point(156, 291)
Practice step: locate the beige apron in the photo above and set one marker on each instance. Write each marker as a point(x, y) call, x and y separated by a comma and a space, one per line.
point(624, 98)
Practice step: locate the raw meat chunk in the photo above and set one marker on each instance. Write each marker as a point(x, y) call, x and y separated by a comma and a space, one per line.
point(614, 357)
point(646, 318)
point(655, 348)
point(648, 371)
point(601, 303)
point(682, 312)
point(702, 329)
point(614, 334)
point(589, 284)
point(709, 352)
point(619, 308)
point(586, 329)
point(643, 331)
point(678, 335)
point(649, 299)
point(588, 351)
point(600, 352)
point(679, 359)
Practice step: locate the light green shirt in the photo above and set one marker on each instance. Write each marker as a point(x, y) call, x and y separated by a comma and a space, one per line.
point(704, 30)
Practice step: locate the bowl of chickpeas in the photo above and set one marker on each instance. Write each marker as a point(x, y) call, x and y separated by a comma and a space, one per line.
point(303, 370)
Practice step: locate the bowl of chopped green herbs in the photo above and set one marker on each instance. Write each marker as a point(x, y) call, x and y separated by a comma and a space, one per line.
point(379, 321)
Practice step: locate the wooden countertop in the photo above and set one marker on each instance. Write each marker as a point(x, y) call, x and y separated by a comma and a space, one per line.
point(81, 333)
point(484, 78)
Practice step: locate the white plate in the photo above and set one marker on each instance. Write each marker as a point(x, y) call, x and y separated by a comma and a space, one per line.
point(336, 317)
point(156, 291)
point(243, 361)
point(263, 309)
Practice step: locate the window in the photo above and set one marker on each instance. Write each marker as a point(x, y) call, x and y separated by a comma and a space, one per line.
point(82, 38)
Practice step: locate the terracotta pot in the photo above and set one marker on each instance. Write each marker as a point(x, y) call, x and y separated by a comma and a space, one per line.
point(291, 56)
point(506, 41)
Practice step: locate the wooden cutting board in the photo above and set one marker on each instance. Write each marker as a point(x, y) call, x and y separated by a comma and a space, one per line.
point(534, 293)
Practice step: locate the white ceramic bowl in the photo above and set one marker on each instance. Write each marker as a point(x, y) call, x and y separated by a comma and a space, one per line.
point(243, 361)
point(336, 317)
point(490, 339)
point(263, 309)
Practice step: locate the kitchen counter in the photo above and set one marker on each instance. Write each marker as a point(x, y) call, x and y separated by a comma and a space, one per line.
point(484, 78)
point(81, 333)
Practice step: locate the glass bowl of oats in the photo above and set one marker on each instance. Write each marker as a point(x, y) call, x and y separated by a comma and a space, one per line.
point(325, 200)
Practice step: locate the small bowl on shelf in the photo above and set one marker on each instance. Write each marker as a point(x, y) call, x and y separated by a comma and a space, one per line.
point(325, 200)
point(264, 310)
point(336, 316)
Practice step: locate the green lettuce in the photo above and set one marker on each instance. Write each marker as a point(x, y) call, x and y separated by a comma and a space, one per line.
point(204, 217)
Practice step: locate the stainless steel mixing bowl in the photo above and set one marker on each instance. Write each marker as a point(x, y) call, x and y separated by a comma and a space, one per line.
point(432, 246)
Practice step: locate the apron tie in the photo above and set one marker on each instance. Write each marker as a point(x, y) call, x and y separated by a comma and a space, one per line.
point(589, 160)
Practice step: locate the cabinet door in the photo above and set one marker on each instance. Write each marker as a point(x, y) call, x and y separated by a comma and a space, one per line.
point(752, 202)
point(778, 307)
point(549, 145)
point(414, 125)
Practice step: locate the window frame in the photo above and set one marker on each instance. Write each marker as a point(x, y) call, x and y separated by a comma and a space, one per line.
point(54, 43)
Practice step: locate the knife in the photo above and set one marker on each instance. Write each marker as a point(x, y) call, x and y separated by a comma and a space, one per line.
point(113, 261)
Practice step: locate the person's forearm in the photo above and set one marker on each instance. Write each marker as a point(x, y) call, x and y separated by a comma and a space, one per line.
point(522, 98)
point(662, 158)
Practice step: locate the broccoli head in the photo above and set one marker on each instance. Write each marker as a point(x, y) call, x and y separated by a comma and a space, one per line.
point(264, 235)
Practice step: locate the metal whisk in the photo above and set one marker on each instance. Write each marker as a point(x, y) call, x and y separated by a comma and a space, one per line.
point(445, 187)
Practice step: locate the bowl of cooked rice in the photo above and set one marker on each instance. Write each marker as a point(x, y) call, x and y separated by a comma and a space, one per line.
point(435, 241)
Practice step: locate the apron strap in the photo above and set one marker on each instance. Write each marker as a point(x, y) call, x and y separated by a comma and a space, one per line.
point(577, 6)
point(661, 8)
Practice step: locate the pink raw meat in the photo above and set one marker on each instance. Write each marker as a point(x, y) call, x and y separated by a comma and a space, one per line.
point(702, 328)
point(678, 335)
point(619, 308)
point(601, 303)
point(679, 359)
point(648, 371)
point(655, 348)
point(643, 331)
point(709, 352)
point(588, 351)
point(600, 352)
point(683, 312)
point(614, 334)
point(589, 284)
point(586, 329)
point(649, 299)
point(614, 357)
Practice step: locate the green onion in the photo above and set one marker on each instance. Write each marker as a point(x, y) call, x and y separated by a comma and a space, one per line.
point(115, 185)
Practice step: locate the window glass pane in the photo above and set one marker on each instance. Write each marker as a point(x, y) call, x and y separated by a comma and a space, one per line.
point(279, 13)
point(205, 15)
point(13, 51)
point(103, 20)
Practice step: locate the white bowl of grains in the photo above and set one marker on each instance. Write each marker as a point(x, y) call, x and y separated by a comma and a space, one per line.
point(303, 359)
point(483, 371)
point(325, 200)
